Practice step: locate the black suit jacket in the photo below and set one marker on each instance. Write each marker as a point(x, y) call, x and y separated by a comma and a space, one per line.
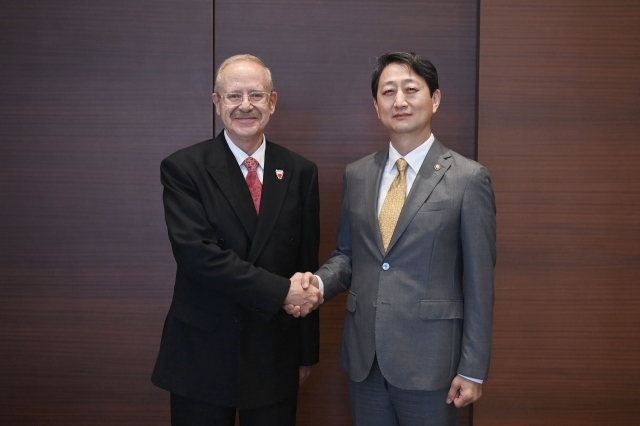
point(226, 339)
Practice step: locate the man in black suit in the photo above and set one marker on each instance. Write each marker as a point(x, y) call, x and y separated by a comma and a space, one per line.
point(242, 215)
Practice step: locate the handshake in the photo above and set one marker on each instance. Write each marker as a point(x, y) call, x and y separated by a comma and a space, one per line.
point(304, 295)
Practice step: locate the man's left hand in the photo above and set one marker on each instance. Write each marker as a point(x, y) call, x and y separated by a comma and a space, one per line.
point(463, 392)
point(305, 371)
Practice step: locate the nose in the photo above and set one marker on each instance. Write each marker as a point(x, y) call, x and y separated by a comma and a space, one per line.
point(400, 100)
point(245, 105)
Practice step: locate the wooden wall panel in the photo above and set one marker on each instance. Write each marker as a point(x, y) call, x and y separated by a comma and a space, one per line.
point(93, 96)
point(321, 54)
point(559, 129)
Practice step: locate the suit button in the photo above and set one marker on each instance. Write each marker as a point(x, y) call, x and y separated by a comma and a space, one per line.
point(220, 242)
point(292, 241)
point(385, 266)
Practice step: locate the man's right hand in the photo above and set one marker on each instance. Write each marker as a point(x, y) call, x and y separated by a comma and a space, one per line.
point(303, 296)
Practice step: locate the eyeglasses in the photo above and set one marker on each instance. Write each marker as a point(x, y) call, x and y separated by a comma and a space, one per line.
point(236, 98)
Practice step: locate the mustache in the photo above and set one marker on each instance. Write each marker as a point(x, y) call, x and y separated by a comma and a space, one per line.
point(250, 114)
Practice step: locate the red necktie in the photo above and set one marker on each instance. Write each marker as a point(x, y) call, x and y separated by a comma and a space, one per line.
point(255, 187)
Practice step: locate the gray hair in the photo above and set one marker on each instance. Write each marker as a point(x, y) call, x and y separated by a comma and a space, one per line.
point(243, 57)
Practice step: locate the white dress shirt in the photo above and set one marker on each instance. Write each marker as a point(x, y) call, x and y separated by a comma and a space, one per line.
point(240, 155)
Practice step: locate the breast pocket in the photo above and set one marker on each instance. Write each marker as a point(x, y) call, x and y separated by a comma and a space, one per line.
point(436, 205)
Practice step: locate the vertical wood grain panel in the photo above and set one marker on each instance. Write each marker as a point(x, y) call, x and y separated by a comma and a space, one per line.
point(93, 95)
point(558, 130)
point(321, 54)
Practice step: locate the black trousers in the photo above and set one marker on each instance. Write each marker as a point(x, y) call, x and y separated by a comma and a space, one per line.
point(189, 412)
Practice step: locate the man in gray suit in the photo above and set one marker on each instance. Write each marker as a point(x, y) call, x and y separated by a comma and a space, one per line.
point(419, 271)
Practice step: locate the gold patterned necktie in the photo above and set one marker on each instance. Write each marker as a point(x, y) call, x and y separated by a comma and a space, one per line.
point(393, 203)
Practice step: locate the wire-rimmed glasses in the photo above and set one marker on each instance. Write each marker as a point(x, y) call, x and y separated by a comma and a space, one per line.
point(236, 98)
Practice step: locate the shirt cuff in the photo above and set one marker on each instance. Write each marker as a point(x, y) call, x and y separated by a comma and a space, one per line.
point(469, 378)
point(320, 285)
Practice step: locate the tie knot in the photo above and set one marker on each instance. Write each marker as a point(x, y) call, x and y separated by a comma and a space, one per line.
point(402, 165)
point(251, 164)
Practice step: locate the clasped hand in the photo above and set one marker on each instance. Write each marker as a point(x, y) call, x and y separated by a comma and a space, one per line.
point(303, 296)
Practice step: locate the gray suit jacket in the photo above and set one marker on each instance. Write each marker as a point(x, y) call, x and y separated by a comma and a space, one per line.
point(425, 307)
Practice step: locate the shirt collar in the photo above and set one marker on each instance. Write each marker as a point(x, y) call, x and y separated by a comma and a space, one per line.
point(240, 155)
point(415, 158)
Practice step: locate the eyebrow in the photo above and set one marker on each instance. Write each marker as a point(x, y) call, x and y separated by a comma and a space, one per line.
point(405, 81)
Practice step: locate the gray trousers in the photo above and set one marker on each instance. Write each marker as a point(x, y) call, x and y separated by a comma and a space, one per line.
point(375, 402)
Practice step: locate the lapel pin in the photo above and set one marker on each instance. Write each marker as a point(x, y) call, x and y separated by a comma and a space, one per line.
point(279, 173)
point(437, 167)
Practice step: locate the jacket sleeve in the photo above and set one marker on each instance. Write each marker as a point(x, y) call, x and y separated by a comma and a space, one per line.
point(478, 239)
point(201, 259)
point(336, 272)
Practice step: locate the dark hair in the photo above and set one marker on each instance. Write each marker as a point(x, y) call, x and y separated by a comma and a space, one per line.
point(420, 65)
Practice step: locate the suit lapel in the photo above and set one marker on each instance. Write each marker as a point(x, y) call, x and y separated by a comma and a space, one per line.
point(224, 169)
point(426, 180)
point(372, 191)
point(274, 191)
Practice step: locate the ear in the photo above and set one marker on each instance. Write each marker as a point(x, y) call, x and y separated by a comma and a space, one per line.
point(437, 96)
point(216, 102)
point(375, 104)
point(272, 102)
